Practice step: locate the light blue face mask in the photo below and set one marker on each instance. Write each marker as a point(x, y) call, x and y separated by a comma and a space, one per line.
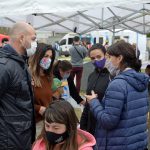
point(66, 75)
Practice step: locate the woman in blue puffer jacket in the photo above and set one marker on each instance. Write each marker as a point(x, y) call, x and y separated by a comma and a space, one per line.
point(122, 115)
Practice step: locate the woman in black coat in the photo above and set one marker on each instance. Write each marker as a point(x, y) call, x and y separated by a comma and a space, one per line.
point(98, 81)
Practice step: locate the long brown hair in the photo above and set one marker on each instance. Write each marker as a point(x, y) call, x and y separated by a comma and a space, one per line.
point(34, 63)
point(62, 112)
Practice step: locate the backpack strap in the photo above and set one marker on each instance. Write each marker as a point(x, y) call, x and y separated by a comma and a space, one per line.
point(78, 52)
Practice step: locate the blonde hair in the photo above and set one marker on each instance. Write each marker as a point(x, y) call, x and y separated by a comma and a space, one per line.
point(34, 72)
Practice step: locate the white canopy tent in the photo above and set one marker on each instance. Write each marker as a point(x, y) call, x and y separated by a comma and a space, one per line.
point(83, 16)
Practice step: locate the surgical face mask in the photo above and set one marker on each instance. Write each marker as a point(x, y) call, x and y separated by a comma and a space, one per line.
point(5, 44)
point(32, 50)
point(99, 63)
point(54, 138)
point(113, 70)
point(45, 63)
point(66, 75)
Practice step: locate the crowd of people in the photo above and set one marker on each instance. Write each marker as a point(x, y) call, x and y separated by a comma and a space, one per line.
point(37, 93)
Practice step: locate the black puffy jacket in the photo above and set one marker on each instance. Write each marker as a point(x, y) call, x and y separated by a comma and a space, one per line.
point(17, 125)
point(98, 81)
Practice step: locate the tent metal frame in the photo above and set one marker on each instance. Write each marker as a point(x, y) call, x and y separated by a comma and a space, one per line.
point(94, 23)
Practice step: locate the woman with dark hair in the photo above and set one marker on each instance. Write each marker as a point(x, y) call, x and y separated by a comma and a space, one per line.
point(60, 130)
point(98, 81)
point(62, 70)
point(40, 66)
point(122, 115)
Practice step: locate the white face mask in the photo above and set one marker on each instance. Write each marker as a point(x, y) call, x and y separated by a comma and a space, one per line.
point(113, 70)
point(31, 51)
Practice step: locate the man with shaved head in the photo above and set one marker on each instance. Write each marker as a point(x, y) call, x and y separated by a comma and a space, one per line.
point(17, 126)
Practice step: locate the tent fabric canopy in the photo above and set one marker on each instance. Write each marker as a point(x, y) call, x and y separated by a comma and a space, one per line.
point(65, 15)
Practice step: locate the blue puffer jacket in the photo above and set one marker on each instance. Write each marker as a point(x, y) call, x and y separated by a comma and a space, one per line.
point(121, 122)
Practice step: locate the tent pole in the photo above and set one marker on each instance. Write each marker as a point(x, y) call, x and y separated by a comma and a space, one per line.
point(102, 17)
point(53, 33)
point(113, 37)
point(137, 40)
point(143, 19)
point(57, 23)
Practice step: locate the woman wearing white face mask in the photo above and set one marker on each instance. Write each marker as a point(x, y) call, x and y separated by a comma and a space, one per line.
point(62, 70)
point(40, 65)
point(121, 118)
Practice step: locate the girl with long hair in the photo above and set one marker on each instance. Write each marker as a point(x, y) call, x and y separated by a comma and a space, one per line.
point(40, 66)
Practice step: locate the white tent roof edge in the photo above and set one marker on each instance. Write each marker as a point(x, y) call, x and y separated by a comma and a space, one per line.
point(51, 14)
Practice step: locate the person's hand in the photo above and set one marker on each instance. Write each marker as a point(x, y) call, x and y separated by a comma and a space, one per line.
point(32, 82)
point(90, 97)
point(83, 102)
point(42, 110)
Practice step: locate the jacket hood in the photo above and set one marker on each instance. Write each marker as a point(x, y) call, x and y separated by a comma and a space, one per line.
point(9, 52)
point(136, 79)
point(40, 144)
point(89, 137)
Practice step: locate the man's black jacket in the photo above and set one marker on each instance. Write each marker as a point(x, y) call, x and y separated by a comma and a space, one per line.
point(17, 126)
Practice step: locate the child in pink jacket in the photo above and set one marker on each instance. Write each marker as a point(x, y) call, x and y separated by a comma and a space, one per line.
point(60, 130)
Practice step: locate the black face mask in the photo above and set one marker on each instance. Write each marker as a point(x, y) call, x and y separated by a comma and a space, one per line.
point(55, 138)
